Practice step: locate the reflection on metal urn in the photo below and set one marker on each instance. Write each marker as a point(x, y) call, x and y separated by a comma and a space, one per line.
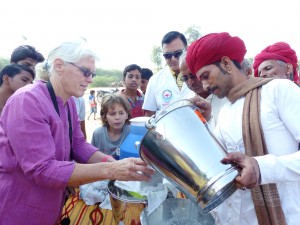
point(180, 146)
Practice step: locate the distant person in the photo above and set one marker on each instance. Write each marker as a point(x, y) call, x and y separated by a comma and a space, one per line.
point(247, 67)
point(132, 81)
point(146, 74)
point(196, 86)
point(80, 106)
point(166, 86)
point(42, 149)
point(26, 55)
point(93, 104)
point(13, 77)
point(115, 114)
point(278, 60)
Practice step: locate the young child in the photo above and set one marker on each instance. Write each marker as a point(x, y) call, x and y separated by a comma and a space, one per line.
point(132, 81)
point(13, 77)
point(93, 104)
point(146, 74)
point(115, 115)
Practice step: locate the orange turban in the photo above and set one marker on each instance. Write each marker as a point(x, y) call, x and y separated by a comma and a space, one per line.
point(211, 48)
point(278, 51)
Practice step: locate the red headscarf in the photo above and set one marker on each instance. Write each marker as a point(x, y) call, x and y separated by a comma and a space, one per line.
point(211, 48)
point(278, 51)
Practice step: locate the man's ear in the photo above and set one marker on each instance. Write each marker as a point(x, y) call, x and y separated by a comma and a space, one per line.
point(289, 68)
point(227, 64)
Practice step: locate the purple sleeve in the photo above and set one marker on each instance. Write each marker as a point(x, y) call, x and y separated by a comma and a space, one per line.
point(36, 135)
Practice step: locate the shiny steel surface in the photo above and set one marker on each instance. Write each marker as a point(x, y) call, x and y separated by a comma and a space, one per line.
point(175, 211)
point(126, 208)
point(180, 147)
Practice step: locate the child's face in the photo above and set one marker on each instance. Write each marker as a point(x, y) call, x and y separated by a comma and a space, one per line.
point(132, 80)
point(116, 116)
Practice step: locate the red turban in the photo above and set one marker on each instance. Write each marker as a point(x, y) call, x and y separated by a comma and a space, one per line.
point(278, 51)
point(211, 48)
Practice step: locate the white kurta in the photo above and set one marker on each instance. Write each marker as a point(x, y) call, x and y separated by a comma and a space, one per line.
point(280, 107)
point(162, 91)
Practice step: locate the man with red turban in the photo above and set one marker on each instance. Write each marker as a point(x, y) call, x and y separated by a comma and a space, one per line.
point(278, 60)
point(210, 48)
point(259, 127)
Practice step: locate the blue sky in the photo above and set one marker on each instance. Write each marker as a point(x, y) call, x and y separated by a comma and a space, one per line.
point(124, 32)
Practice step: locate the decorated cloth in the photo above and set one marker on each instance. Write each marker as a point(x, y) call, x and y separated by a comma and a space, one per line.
point(265, 197)
point(136, 106)
point(211, 48)
point(278, 51)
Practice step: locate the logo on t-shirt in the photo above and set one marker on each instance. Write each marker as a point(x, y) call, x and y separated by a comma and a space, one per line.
point(166, 96)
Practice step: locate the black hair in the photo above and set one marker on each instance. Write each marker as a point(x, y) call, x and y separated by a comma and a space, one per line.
point(146, 73)
point(92, 92)
point(236, 63)
point(12, 70)
point(171, 36)
point(26, 51)
point(131, 67)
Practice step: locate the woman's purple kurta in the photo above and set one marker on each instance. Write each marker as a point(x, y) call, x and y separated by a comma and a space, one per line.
point(35, 163)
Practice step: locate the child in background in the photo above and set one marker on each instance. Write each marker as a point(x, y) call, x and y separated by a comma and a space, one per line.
point(146, 74)
point(115, 115)
point(93, 104)
point(132, 81)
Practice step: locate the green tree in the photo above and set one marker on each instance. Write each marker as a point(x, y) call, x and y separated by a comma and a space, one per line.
point(192, 33)
point(106, 78)
point(156, 56)
point(3, 62)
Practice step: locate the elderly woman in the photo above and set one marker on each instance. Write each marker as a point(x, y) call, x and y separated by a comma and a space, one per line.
point(43, 151)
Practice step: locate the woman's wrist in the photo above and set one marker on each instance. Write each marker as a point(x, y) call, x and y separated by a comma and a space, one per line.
point(107, 158)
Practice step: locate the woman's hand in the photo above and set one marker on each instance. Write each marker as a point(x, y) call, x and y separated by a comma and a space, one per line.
point(130, 169)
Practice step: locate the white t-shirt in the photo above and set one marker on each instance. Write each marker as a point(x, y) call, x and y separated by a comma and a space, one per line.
point(280, 107)
point(80, 106)
point(162, 90)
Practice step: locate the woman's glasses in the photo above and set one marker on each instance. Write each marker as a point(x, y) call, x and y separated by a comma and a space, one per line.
point(85, 71)
point(176, 54)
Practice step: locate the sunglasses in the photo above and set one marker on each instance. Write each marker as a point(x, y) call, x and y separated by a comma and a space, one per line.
point(185, 78)
point(176, 54)
point(85, 71)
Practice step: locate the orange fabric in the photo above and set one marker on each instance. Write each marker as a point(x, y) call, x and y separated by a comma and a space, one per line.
point(82, 214)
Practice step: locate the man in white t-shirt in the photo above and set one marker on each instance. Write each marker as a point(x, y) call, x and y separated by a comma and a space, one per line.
point(259, 127)
point(166, 86)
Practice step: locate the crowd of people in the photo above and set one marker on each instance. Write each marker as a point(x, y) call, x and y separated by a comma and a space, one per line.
point(252, 108)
